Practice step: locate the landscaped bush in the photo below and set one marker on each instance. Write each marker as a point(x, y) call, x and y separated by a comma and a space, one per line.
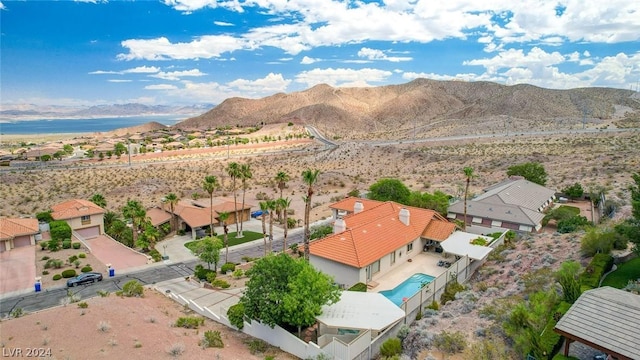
point(45, 272)
point(132, 288)
point(82, 255)
point(434, 306)
point(238, 273)
point(391, 347)
point(76, 245)
point(227, 267)
point(66, 244)
point(479, 241)
point(57, 277)
point(212, 339)
point(59, 230)
point(362, 287)
point(69, 273)
point(201, 273)
point(54, 245)
point(86, 269)
point(155, 254)
point(44, 245)
point(236, 315)
point(220, 283)
point(190, 322)
point(599, 265)
point(72, 258)
point(211, 277)
point(572, 224)
point(450, 291)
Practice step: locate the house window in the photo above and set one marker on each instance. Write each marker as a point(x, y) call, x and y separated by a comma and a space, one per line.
point(477, 220)
point(375, 267)
point(85, 219)
point(393, 258)
point(409, 247)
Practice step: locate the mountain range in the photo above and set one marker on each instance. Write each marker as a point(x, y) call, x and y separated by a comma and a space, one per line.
point(31, 111)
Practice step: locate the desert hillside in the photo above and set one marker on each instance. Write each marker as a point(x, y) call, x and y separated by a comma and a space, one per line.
point(394, 111)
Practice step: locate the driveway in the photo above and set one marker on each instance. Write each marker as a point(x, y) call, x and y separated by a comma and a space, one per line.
point(18, 270)
point(112, 252)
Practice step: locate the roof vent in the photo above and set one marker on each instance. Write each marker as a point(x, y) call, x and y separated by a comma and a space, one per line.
point(404, 216)
point(339, 226)
point(358, 207)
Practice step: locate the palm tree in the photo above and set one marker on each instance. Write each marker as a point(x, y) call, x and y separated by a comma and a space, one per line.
point(109, 218)
point(135, 212)
point(468, 173)
point(309, 177)
point(172, 199)
point(210, 184)
point(264, 207)
point(281, 178)
point(233, 169)
point(271, 204)
point(99, 200)
point(245, 174)
point(284, 204)
point(223, 217)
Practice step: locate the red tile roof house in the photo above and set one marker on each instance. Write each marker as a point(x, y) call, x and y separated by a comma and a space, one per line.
point(84, 217)
point(17, 233)
point(373, 237)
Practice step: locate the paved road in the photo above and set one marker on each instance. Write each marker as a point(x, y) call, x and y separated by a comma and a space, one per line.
point(155, 273)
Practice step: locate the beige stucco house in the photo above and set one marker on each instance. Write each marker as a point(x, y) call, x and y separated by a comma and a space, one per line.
point(84, 217)
point(16, 233)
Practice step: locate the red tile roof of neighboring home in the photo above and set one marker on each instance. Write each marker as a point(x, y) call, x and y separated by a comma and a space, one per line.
point(158, 216)
point(194, 216)
point(439, 230)
point(348, 204)
point(10, 228)
point(75, 208)
point(376, 232)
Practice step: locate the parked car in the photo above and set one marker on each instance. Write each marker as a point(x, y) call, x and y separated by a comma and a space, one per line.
point(257, 213)
point(89, 277)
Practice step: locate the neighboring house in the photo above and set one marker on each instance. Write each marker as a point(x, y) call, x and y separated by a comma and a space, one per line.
point(196, 215)
point(16, 233)
point(605, 319)
point(84, 217)
point(375, 238)
point(514, 204)
point(36, 154)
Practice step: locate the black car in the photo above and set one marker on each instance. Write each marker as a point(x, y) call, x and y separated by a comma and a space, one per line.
point(89, 277)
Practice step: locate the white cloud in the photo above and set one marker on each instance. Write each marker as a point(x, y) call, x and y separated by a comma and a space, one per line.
point(142, 70)
point(222, 23)
point(308, 60)
point(268, 85)
point(176, 75)
point(204, 47)
point(342, 77)
point(161, 87)
point(2, 7)
point(375, 54)
point(118, 80)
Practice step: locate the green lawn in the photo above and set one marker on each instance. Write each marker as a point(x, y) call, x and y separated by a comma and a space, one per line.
point(569, 208)
point(625, 272)
point(233, 240)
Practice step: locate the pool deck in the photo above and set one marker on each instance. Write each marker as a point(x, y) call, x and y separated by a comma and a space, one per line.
point(425, 263)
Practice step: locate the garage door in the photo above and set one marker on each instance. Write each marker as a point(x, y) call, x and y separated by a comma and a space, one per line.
point(21, 241)
point(2, 249)
point(90, 232)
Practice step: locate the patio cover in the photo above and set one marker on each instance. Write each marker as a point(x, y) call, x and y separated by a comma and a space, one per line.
point(361, 310)
point(458, 244)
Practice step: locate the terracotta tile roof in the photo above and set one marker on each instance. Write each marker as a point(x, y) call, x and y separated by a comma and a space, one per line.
point(10, 228)
point(438, 230)
point(158, 216)
point(347, 204)
point(75, 208)
point(376, 232)
point(194, 216)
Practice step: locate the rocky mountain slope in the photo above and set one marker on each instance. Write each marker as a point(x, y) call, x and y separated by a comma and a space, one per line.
point(390, 110)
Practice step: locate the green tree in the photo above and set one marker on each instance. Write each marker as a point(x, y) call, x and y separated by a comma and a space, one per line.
point(136, 213)
point(151, 234)
point(58, 155)
point(68, 149)
point(574, 191)
point(309, 177)
point(568, 278)
point(119, 149)
point(245, 174)
point(172, 199)
point(597, 241)
point(44, 216)
point(437, 201)
point(531, 171)
point(233, 170)
point(210, 184)
point(119, 230)
point(389, 190)
point(635, 195)
point(285, 291)
point(264, 207)
point(469, 175)
point(99, 200)
point(101, 155)
point(45, 157)
point(281, 179)
point(273, 208)
point(223, 217)
point(208, 250)
point(284, 204)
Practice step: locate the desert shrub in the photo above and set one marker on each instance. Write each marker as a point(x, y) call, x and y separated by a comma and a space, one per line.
point(50, 263)
point(227, 267)
point(190, 322)
point(86, 269)
point(362, 287)
point(450, 291)
point(450, 343)
point(69, 273)
point(597, 241)
point(103, 293)
point(391, 347)
point(572, 224)
point(54, 244)
point(403, 332)
point(257, 346)
point(212, 339)
point(82, 255)
point(72, 258)
point(479, 241)
point(132, 288)
point(66, 244)
point(220, 284)
point(176, 350)
point(44, 245)
point(104, 326)
point(77, 263)
point(57, 277)
point(45, 272)
point(57, 263)
point(238, 273)
point(434, 306)
point(211, 277)
point(599, 265)
point(236, 315)
point(76, 245)
point(83, 305)
point(155, 255)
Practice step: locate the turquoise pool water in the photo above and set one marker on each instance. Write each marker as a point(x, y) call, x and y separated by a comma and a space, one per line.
point(407, 288)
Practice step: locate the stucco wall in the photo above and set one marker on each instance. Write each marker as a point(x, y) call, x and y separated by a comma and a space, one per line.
point(341, 273)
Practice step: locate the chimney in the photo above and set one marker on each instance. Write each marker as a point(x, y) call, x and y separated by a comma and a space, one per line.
point(404, 216)
point(339, 226)
point(358, 207)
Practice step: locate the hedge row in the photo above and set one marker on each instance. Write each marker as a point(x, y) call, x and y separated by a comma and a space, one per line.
point(599, 265)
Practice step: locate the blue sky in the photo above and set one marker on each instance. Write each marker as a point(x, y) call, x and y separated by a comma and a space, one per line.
point(204, 51)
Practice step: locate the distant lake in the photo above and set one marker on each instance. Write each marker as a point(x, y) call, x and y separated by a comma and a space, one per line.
point(59, 126)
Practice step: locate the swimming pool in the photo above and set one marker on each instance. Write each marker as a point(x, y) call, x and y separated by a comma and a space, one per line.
point(407, 288)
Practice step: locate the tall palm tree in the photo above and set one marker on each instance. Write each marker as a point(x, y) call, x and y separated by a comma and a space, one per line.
point(223, 217)
point(210, 184)
point(135, 212)
point(245, 174)
point(281, 178)
point(264, 207)
point(284, 204)
point(172, 199)
point(468, 173)
point(272, 205)
point(233, 169)
point(99, 200)
point(309, 177)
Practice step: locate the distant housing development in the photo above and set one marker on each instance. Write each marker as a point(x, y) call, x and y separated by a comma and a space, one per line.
point(514, 204)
